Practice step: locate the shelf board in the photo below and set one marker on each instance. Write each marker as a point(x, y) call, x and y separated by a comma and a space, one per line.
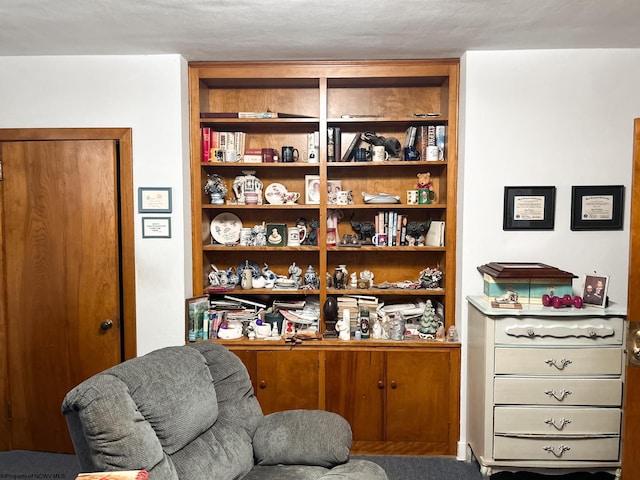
point(376, 292)
point(289, 206)
point(262, 165)
point(382, 206)
point(237, 292)
point(235, 248)
point(387, 164)
point(373, 248)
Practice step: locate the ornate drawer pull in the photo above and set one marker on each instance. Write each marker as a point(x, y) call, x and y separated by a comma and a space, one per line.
point(563, 363)
point(561, 424)
point(563, 394)
point(559, 453)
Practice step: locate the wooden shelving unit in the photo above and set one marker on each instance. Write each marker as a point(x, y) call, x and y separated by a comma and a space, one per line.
point(384, 95)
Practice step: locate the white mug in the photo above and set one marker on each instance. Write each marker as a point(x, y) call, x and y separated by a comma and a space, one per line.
point(312, 155)
point(378, 153)
point(342, 197)
point(232, 156)
point(293, 236)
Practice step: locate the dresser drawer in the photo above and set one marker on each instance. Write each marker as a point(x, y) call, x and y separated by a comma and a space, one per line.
point(559, 331)
point(556, 449)
point(558, 361)
point(560, 421)
point(558, 391)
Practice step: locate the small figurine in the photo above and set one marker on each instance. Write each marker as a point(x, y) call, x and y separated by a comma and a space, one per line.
point(428, 323)
point(216, 188)
point(424, 180)
point(295, 274)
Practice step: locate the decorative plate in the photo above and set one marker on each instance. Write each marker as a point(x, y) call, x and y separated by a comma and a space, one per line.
point(275, 194)
point(380, 198)
point(225, 228)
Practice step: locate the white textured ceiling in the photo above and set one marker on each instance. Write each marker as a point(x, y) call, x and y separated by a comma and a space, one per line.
point(312, 30)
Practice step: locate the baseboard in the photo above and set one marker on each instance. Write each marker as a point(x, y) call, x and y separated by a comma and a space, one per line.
point(464, 454)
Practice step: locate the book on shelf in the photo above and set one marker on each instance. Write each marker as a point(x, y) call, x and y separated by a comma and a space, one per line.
point(352, 146)
point(431, 141)
point(206, 144)
point(266, 114)
point(333, 144)
point(435, 234)
point(410, 136)
point(441, 132)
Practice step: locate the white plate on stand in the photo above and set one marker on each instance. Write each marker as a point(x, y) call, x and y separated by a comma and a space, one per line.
point(275, 194)
point(225, 228)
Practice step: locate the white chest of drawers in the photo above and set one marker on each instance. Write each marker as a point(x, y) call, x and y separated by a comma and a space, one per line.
point(545, 388)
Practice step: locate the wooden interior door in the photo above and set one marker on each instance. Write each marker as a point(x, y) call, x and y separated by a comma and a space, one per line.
point(63, 278)
point(630, 444)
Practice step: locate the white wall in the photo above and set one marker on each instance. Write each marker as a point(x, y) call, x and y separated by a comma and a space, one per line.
point(531, 118)
point(149, 95)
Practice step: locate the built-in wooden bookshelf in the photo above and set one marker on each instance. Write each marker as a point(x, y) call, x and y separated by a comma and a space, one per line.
point(384, 97)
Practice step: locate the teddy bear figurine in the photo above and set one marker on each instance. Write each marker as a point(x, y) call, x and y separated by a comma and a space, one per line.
point(424, 180)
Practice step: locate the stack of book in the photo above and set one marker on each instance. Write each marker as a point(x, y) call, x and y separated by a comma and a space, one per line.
point(351, 304)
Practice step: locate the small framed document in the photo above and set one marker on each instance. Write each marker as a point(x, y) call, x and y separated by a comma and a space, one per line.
point(597, 207)
point(529, 208)
point(154, 200)
point(156, 227)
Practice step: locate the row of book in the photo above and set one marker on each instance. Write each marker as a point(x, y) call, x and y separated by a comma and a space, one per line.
point(213, 140)
point(395, 224)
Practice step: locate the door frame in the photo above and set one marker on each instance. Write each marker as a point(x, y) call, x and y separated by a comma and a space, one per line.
point(127, 242)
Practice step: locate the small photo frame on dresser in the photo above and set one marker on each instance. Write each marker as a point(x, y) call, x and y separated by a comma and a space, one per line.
point(595, 288)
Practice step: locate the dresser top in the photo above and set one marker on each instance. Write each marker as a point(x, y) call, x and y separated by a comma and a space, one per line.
point(613, 310)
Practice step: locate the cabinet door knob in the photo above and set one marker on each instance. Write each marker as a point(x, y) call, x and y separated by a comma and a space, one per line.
point(263, 384)
point(394, 385)
point(106, 325)
point(380, 384)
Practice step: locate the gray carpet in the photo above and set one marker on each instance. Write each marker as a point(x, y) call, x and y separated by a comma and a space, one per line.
point(20, 464)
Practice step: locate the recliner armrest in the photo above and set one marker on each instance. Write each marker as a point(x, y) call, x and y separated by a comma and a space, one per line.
point(302, 437)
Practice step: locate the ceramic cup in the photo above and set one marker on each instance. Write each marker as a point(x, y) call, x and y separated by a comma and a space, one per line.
point(360, 154)
point(425, 196)
point(268, 154)
point(232, 156)
point(312, 156)
point(290, 154)
point(379, 239)
point(412, 197)
point(378, 153)
point(293, 236)
point(411, 154)
point(342, 197)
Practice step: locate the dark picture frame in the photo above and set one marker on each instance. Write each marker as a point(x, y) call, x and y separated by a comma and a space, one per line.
point(594, 291)
point(529, 208)
point(597, 207)
point(154, 200)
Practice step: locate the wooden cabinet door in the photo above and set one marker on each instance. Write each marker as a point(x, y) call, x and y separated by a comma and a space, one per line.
point(288, 380)
point(420, 413)
point(355, 389)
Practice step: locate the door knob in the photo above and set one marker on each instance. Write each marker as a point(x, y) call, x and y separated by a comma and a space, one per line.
point(106, 325)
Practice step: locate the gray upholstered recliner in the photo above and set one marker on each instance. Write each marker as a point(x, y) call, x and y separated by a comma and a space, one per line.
point(189, 413)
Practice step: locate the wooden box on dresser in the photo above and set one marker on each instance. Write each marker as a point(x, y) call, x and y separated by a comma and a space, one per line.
point(545, 387)
point(404, 395)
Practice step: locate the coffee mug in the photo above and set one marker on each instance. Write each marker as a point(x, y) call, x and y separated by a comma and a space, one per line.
point(218, 155)
point(412, 197)
point(425, 196)
point(293, 236)
point(379, 153)
point(411, 154)
point(379, 239)
point(312, 156)
point(342, 197)
point(231, 156)
point(290, 154)
point(268, 154)
point(360, 154)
